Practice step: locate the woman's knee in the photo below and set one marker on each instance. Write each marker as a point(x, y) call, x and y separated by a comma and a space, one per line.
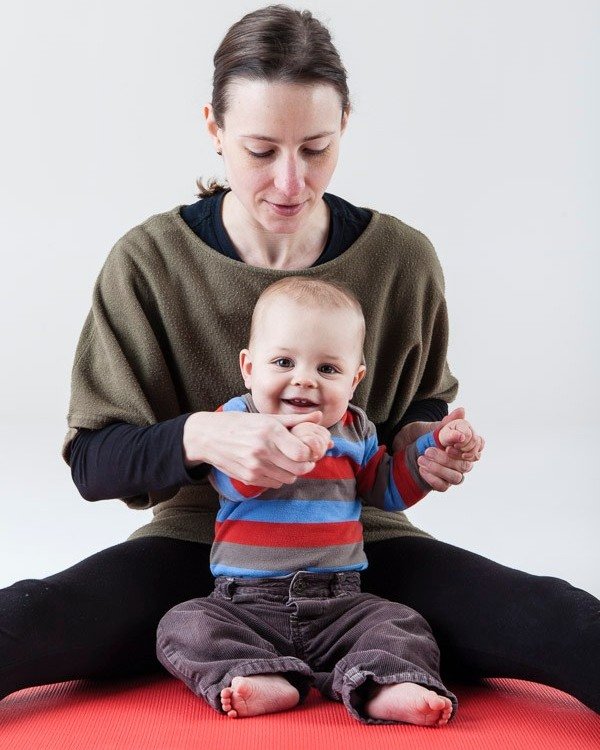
point(566, 614)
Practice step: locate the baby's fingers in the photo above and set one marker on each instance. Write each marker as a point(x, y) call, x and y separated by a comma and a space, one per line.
point(467, 446)
point(318, 446)
point(470, 452)
point(450, 436)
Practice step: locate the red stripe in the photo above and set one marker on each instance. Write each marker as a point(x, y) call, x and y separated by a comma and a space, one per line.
point(247, 490)
point(366, 478)
point(436, 437)
point(333, 467)
point(329, 467)
point(407, 487)
point(348, 418)
point(263, 534)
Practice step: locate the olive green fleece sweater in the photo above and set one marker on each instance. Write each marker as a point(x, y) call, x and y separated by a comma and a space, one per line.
point(170, 314)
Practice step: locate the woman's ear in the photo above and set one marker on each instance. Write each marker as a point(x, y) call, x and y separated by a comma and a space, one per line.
point(345, 116)
point(246, 367)
point(212, 128)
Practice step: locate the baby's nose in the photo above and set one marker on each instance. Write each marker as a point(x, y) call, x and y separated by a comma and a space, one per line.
point(304, 379)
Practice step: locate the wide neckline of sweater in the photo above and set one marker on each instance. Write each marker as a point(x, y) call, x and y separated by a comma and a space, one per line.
point(217, 257)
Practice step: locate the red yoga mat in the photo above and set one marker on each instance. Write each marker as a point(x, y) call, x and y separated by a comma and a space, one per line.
point(159, 713)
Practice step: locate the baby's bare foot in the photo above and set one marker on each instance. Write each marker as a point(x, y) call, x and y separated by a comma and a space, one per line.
point(258, 694)
point(409, 703)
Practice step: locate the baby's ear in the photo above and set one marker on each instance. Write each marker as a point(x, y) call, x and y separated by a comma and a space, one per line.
point(360, 373)
point(246, 367)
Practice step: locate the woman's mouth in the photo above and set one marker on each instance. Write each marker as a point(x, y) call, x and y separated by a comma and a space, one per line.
point(287, 209)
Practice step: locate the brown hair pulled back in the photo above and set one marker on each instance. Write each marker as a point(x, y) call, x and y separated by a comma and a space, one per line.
point(275, 43)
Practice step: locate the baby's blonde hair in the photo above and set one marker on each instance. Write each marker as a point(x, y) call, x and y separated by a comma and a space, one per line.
point(310, 292)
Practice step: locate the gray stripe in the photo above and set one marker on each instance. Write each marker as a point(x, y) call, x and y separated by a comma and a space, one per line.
point(286, 558)
point(360, 430)
point(411, 461)
point(314, 489)
point(377, 495)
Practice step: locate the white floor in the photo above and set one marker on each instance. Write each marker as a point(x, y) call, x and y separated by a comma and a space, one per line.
point(541, 514)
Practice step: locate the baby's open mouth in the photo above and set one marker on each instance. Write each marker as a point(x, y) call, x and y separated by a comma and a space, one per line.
point(300, 402)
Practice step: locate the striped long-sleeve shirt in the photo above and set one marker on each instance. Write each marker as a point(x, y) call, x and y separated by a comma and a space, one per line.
point(314, 524)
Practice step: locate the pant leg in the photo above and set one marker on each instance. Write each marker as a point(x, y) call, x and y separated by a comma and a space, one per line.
point(99, 617)
point(490, 620)
point(207, 642)
point(373, 642)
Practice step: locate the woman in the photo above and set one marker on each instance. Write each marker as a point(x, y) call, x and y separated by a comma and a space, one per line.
point(158, 354)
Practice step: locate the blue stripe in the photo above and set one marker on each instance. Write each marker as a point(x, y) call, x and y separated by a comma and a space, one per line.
point(235, 404)
point(371, 448)
point(424, 442)
point(348, 448)
point(291, 511)
point(393, 499)
point(224, 487)
point(224, 570)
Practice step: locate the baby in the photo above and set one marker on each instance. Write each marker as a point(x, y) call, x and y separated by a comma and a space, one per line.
point(287, 611)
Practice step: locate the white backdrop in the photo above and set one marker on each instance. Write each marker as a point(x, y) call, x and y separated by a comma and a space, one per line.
point(474, 121)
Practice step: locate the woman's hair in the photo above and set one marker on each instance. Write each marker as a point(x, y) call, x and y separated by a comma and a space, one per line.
point(278, 44)
point(311, 293)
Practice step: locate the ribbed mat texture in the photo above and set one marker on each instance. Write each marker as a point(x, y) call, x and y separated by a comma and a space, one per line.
point(160, 713)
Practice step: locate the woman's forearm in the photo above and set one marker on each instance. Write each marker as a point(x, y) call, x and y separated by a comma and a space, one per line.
point(123, 460)
point(425, 410)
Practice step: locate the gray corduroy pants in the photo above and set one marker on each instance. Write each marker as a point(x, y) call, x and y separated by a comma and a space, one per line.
point(313, 628)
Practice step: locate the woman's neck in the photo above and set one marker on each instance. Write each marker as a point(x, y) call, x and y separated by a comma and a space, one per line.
point(287, 252)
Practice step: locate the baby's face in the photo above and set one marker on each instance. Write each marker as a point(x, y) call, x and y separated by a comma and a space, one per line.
point(303, 360)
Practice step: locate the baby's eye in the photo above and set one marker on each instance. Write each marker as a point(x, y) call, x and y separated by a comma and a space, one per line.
point(328, 369)
point(283, 362)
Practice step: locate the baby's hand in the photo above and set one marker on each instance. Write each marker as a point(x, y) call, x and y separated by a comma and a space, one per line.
point(315, 437)
point(460, 436)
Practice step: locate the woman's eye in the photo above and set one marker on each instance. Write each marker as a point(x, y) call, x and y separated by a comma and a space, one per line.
point(327, 369)
point(316, 152)
point(283, 362)
point(307, 151)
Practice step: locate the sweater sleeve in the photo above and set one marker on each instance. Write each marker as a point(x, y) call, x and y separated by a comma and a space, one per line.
point(121, 371)
point(410, 350)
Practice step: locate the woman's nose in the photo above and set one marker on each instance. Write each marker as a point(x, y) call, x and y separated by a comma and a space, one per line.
point(289, 177)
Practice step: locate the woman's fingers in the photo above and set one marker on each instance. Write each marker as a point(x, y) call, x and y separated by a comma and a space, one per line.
point(433, 480)
point(263, 475)
point(458, 413)
point(290, 420)
point(440, 470)
point(439, 477)
point(441, 458)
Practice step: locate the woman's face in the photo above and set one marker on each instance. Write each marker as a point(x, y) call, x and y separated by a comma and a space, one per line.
point(280, 144)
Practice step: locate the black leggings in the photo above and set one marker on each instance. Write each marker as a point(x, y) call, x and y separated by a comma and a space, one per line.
point(98, 618)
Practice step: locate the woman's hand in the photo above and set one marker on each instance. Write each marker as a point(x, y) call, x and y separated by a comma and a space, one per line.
point(441, 468)
point(256, 449)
